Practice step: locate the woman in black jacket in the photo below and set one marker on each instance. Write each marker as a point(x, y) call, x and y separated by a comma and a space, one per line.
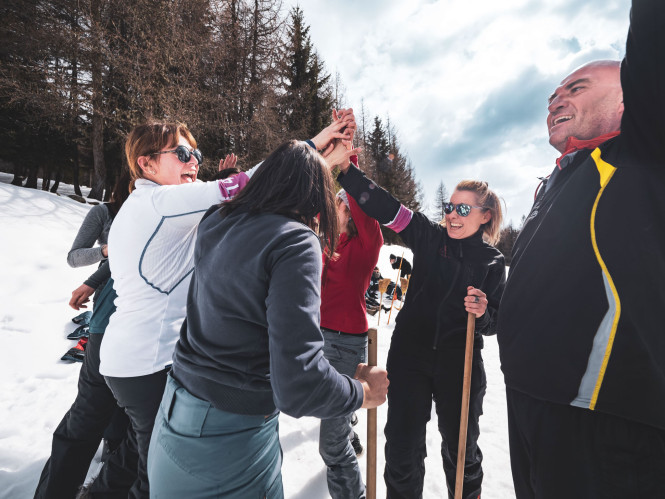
point(454, 272)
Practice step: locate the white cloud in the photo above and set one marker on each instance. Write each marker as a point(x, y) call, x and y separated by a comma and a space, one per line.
point(466, 72)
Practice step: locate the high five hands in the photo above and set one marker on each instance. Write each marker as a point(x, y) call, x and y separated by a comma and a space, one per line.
point(335, 141)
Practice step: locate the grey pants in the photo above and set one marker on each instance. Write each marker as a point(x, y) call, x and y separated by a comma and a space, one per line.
point(198, 451)
point(344, 352)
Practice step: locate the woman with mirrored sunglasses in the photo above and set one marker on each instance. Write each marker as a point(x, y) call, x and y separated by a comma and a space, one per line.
point(154, 232)
point(456, 271)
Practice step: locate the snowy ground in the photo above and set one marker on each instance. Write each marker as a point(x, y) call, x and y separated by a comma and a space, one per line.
point(36, 388)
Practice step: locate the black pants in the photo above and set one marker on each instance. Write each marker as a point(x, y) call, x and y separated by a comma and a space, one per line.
point(417, 377)
point(564, 451)
point(77, 437)
point(140, 396)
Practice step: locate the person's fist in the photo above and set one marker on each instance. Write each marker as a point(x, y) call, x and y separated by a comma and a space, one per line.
point(375, 385)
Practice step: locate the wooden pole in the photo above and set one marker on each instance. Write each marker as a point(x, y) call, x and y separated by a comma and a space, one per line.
point(371, 422)
point(383, 286)
point(399, 270)
point(464, 415)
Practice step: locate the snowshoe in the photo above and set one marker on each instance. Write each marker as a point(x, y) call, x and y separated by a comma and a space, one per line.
point(77, 353)
point(83, 318)
point(78, 333)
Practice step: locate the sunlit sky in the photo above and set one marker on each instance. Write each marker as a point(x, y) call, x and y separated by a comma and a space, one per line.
point(465, 81)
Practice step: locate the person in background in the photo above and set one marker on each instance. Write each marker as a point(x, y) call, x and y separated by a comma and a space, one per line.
point(151, 247)
point(397, 262)
point(251, 346)
point(344, 327)
point(94, 415)
point(580, 333)
point(456, 273)
point(94, 229)
point(372, 296)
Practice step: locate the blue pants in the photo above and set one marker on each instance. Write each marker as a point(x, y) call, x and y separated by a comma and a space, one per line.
point(344, 352)
point(198, 451)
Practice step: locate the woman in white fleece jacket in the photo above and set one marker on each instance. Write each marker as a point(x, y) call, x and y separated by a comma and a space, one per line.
point(151, 244)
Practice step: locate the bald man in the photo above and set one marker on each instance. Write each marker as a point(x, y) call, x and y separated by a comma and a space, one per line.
point(581, 328)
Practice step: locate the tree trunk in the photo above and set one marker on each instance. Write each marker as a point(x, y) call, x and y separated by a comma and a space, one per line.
point(99, 168)
point(56, 184)
point(31, 183)
point(74, 98)
point(46, 180)
point(77, 187)
point(18, 175)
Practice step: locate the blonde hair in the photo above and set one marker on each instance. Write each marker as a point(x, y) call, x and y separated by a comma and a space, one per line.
point(488, 199)
point(150, 138)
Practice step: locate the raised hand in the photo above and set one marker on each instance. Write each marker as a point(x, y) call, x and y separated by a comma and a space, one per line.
point(339, 155)
point(340, 128)
point(228, 162)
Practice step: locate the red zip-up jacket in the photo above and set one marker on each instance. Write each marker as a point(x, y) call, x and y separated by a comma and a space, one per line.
point(347, 275)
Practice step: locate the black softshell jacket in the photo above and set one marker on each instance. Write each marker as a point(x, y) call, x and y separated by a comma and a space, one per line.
point(433, 315)
point(581, 318)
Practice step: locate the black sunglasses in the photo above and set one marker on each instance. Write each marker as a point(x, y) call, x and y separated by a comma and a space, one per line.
point(184, 154)
point(462, 209)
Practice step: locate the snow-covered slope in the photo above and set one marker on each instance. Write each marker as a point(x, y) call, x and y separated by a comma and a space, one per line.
point(36, 388)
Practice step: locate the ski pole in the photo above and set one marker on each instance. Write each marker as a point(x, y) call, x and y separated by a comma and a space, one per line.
point(371, 422)
point(464, 417)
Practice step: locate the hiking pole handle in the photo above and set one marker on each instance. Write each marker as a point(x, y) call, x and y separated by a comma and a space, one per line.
point(464, 415)
point(371, 421)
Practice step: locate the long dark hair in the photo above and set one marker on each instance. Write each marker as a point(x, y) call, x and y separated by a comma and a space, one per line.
point(120, 191)
point(293, 181)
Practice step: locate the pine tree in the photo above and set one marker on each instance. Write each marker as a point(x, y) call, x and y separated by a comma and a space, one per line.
point(441, 197)
point(308, 96)
point(508, 237)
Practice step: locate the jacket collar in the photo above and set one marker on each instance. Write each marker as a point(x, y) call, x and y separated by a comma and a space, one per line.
point(573, 144)
point(474, 240)
point(144, 182)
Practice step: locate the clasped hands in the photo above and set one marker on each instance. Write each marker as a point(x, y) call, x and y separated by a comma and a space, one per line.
point(335, 142)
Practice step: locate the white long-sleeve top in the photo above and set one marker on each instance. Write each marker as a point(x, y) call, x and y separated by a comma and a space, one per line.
point(151, 247)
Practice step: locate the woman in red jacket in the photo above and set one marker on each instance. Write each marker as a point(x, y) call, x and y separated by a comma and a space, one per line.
point(344, 326)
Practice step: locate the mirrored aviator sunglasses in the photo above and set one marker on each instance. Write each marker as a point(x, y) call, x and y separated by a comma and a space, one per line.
point(462, 209)
point(184, 154)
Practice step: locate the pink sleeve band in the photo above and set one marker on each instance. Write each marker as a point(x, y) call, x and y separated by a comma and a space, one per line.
point(231, 186)
point(401, 220)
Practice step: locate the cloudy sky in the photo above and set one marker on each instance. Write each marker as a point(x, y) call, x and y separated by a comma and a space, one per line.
point(466, 81)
